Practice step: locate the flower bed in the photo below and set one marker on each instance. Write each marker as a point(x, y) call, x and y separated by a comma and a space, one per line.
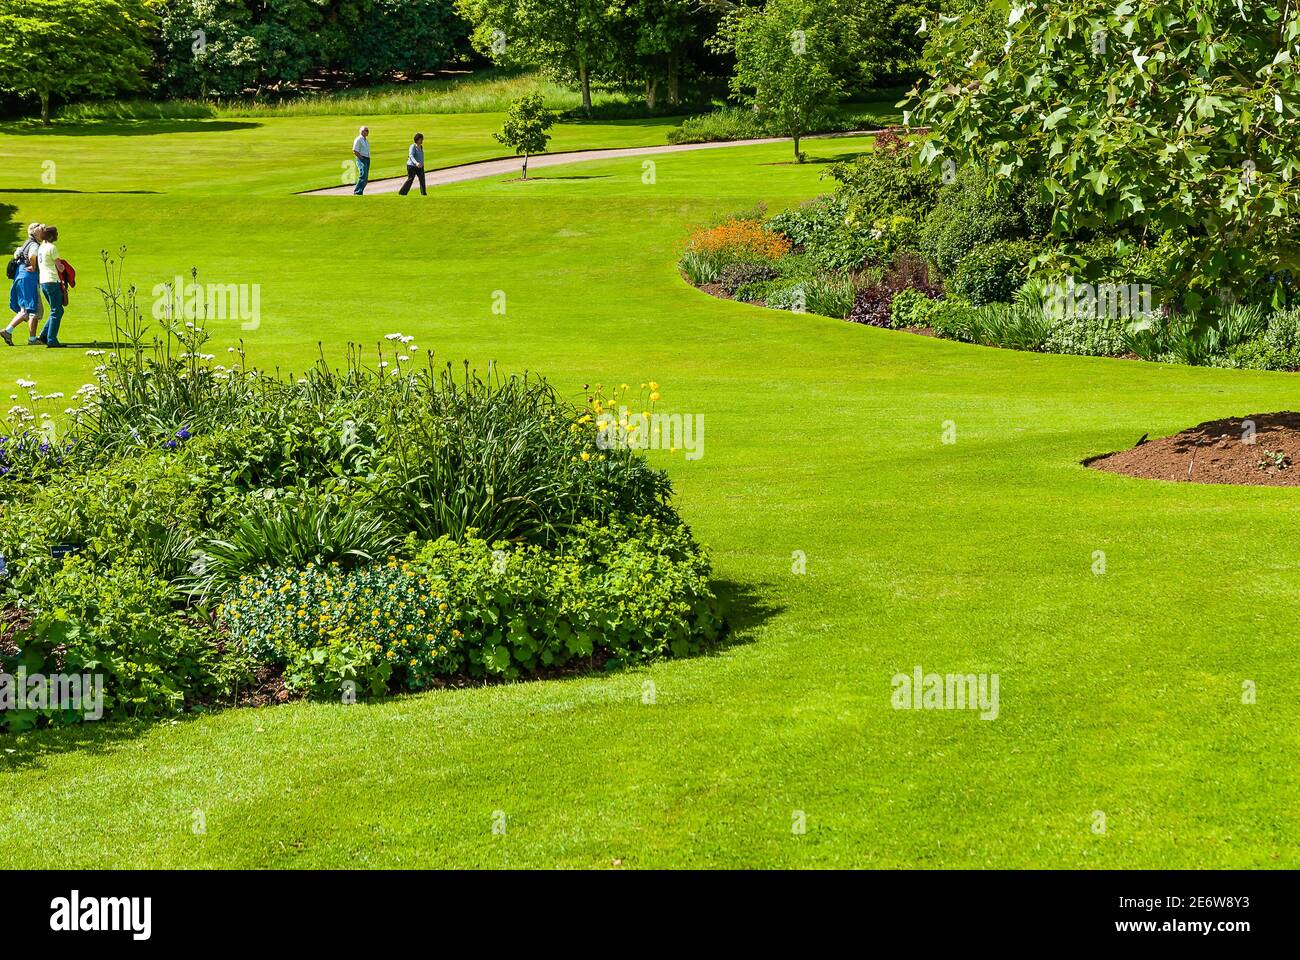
point(970, 256)
point(357, 531)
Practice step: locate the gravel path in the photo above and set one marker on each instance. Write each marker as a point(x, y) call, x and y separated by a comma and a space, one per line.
point(512, 165)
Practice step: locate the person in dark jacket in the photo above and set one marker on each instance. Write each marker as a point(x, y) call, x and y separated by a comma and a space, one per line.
point(415, 166)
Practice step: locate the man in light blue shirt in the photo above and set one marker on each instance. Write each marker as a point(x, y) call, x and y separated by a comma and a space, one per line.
point(415, 166)
point(361, 150)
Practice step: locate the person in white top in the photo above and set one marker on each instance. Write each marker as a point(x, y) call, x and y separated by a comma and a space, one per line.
point(361, 151)
point(47, 262)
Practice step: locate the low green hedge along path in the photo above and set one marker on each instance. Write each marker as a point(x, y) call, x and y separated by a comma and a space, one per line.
point(1119, 693)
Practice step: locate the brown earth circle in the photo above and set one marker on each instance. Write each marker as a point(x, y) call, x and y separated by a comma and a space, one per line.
point(1262, 449)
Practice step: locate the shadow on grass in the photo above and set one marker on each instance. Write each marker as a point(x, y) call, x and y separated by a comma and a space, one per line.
point(122, 128)
point(813, 161)
point(746, 610)
point(11, 230)
point(56, 190)
point(30, 749)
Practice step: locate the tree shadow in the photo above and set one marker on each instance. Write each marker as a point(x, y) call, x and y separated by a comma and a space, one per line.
point(12, 231)
point(123, 128)
point(655, 121)
point(57, 190)
point(814, 161)
point(534, 179)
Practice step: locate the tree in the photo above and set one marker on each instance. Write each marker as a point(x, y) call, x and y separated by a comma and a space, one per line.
point(208, 48)
point(525, 128)
point(386, 36)
point(65, 47)
point(661, 43)
point(783, 64)
point(570, 40)
point(1175, 119)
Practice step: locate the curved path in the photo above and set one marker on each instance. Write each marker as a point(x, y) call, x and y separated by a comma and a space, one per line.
point(488, 168)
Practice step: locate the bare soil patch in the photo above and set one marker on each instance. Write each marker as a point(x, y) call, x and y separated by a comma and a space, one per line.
point(1262, 449)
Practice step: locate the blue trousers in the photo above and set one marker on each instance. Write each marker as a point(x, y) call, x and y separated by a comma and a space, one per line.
point(363, 175)
point(54, 297)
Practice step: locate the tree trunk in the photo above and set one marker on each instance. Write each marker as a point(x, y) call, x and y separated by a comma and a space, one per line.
point(525, 166)
point(651, 89)
point(45, 106)
point(586, 86)
point(798, 157)
point(674, 88)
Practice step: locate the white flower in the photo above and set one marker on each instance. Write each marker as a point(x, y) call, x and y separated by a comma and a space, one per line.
point(26, 384)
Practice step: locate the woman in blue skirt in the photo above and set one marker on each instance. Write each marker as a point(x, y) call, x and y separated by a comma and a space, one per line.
point(25, 294)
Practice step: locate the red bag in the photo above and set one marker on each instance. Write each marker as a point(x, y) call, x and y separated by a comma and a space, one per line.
point(67, 277)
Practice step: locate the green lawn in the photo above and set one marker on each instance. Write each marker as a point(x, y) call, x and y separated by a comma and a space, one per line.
point(1120, 693)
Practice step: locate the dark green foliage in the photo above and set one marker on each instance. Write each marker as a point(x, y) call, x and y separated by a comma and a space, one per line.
point(973, 211)
point(993, 272)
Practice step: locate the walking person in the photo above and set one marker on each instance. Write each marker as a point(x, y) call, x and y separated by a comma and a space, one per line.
point(415, 166)
point(361, 150)
point(47, 261)
point(25, 294)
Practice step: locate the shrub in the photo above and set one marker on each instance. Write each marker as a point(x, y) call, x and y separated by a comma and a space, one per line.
point(145, 506)
point(1009, 325)
point(874, 301)
point(734, 276)
point(290, 529)
point(993, 272)
point(953, 318)
point(1086, 335)
point(728, 123)
point(827, 294)
point(885, 182)
point(120, 621)
point(821, 215)
point(911, 308)
point(712, 249)
point(628, 590)
point(377, 626)
point(970, 212)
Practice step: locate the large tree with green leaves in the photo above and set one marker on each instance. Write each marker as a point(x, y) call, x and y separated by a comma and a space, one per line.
point(62, 48)
point(784, 63)
point(1179, 119)
point(571, 40)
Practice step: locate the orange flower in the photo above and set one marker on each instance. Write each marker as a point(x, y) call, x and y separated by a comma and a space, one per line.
point(740, 238)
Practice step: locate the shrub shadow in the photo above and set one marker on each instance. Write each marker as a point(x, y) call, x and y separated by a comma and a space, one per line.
point(124, 128)
point(745, 609)
point(28, 750)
